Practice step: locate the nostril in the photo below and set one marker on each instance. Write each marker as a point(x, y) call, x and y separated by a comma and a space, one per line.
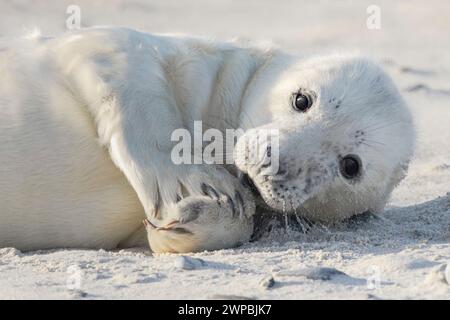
point(248, 182)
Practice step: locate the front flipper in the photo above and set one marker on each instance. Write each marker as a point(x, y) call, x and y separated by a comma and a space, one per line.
point(215, 220)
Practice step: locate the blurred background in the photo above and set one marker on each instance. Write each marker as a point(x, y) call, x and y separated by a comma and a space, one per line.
point(296, 25)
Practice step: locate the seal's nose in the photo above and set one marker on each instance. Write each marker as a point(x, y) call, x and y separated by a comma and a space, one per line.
point(248, 182)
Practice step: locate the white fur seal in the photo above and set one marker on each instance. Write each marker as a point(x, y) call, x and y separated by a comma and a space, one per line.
point(85, 137)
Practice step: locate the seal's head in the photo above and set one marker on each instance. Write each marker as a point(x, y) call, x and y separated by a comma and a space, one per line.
point(339, 137)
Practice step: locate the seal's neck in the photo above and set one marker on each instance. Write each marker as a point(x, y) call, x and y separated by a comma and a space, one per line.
point(245, 76)
point(228, 76)
point(239, 70)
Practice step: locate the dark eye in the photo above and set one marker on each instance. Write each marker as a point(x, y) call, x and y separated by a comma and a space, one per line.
point(350, 166)
point(302, 102)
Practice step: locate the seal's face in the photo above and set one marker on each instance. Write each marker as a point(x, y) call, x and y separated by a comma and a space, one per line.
point(344, 139)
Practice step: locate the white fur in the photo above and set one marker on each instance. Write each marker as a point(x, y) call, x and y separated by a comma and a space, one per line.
point(73, 109)
point(358, 111)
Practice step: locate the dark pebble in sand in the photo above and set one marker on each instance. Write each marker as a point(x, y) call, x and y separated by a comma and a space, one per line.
point(77, 294)
point(267, 282)
point(322, 273)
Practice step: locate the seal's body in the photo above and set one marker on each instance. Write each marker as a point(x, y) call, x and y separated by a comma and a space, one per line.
point(58, 186)
point(86, 122)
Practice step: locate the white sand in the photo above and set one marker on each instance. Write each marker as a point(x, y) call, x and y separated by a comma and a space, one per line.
point(404, 253)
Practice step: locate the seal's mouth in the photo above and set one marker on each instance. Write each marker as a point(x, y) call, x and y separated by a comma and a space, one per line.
point(248, 182)
point(260, 198)
point(276, 193)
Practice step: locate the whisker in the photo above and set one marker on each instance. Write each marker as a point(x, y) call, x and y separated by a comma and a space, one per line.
point(374, 141)
point(300, 222)
point(371, 129)
point(371, 146)
point(285, 216)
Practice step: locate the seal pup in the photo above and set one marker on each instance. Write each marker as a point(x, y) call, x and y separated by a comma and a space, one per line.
point(85, 135)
